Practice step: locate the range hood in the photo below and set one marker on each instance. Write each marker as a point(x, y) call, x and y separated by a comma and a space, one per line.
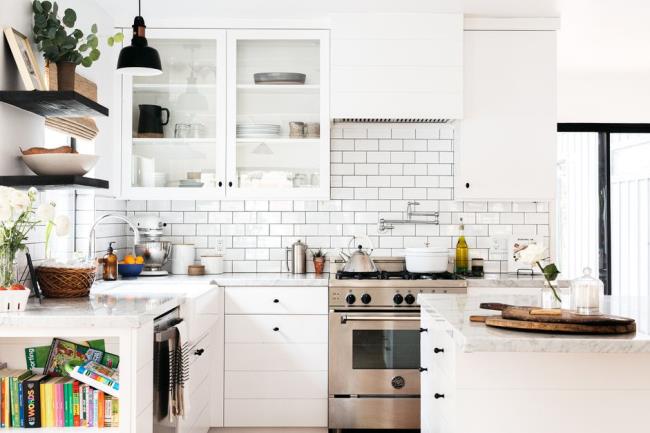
point(396, 67)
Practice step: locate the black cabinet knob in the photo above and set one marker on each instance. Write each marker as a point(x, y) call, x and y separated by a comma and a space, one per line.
point(220, 184)
point(275, 301)
point(438, 350)
point(199, 352)
point(398, 299)
point(421, 369)
point(437, 396)
point(409, 299)
point(276, 329)
point(230, 184)
point(365, 298)
point(424, 330)
point(467, 185)
point(350, 299)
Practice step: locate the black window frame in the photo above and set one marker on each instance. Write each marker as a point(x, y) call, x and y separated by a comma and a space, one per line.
point(604, 130)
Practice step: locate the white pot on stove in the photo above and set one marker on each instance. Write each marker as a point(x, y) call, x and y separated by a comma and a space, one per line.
point(426, 260)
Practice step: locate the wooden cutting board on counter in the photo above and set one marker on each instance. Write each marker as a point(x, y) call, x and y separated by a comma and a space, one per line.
point(555, 320)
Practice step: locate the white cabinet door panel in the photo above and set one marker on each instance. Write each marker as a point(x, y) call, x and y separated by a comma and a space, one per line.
point(275, 357)
point(276, 329)
point(276, 384)
point(507, 140)
point(276, 413)
point(262, 300)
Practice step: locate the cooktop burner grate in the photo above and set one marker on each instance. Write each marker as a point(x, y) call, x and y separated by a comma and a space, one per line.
point(396, 275)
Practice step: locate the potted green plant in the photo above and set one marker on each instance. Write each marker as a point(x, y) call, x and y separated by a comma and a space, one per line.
point(66, 50)
point(319, 260)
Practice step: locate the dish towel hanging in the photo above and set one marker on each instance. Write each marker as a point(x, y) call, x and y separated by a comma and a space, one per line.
point(179, 362)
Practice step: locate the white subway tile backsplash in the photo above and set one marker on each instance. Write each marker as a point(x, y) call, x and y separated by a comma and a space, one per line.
point(375, 171)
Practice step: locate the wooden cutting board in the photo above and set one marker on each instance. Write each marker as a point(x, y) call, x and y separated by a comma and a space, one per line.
point(553, 321)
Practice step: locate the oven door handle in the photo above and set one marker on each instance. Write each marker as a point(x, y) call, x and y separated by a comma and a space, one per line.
point(345, 318)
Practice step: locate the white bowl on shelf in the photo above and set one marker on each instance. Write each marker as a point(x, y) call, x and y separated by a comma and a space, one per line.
point(53, 164)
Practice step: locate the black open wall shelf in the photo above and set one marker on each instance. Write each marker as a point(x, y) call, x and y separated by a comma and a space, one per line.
point(53, 103)
point(53, 182)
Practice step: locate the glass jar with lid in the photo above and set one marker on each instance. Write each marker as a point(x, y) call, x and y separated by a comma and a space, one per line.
point(585, 293)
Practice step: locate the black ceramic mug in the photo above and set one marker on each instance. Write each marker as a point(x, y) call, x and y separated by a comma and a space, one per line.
point(150, 121)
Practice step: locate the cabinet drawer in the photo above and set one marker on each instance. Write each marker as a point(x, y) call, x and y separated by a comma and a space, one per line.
point(202, 313)
point(201, 366)
point(276, 384)
point(445, 359)
point(276, 329)
point(275, 413)
point(200, 400)
point(275, 357)
point(276, 300)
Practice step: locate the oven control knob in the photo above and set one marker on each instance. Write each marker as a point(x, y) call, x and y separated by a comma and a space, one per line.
point(365, 298)
point(409, 299)
point(350, 299)
point(398, 299)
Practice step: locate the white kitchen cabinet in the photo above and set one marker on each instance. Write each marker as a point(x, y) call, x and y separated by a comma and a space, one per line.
point(205, 91)
point(397, 66)
point(282, 165)
point(275, 357)
point(505, 149)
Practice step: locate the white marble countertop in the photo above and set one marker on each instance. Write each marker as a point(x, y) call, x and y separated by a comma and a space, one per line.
point(510, 280)
point(134, 302)
point(476, 337)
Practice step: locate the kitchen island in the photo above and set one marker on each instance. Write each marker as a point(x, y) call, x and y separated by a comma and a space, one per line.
point(480, 379)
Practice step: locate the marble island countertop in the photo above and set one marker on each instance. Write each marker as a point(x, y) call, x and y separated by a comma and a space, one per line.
point(477, 337)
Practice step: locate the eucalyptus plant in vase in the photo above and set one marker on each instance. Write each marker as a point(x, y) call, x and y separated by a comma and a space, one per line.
point(18, 217)
point(66, 50)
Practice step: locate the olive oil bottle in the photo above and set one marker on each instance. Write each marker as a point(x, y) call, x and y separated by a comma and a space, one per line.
point(462, 252)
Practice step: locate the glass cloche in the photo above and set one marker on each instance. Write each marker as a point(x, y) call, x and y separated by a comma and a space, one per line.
point(585, 293)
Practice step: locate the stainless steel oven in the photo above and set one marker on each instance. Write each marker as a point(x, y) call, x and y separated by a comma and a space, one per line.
point(374, 379)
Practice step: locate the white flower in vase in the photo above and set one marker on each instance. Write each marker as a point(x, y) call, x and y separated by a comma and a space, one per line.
point(62, 225)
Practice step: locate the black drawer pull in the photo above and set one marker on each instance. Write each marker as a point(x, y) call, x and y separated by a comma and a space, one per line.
point(424, 330)
point(438, 350)
point(275, 301)
point(423, 369)
point(199, 352)
point(276, 329)
point(437, 396)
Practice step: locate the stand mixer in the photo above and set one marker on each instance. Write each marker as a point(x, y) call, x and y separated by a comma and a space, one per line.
point(155, 251)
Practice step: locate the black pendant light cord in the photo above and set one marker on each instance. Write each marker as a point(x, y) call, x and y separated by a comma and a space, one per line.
point(139, 8)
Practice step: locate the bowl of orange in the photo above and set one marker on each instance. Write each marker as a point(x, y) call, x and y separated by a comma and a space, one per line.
point(130, 266)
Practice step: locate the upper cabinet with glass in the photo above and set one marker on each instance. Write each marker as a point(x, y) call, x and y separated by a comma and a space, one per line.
point(278, 113)
point(202, 130)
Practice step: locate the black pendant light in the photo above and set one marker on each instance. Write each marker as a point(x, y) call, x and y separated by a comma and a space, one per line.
point(139, 59)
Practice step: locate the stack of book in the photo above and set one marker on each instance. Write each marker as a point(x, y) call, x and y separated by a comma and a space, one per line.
point(33, 401)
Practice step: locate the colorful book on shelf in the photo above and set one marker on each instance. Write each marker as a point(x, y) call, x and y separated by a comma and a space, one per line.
point(66, 353)
point(32, 401)
point(98, 376)
point(75, 404)
point(36, 357)
point(15, 400)
point(5, 402)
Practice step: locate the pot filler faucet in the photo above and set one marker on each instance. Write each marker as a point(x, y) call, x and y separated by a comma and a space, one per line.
point(385, 224)
point(91, 235)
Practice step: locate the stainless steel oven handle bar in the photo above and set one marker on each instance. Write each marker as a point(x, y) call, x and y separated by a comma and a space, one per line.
point(345, 319)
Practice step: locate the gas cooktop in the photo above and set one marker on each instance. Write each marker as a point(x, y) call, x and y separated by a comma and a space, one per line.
point(396, 275)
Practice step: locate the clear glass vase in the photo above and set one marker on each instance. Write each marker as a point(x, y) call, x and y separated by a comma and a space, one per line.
point(548, 297)
point(8, 274)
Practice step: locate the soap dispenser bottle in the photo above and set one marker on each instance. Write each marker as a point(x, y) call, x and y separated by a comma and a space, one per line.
point(110, 264)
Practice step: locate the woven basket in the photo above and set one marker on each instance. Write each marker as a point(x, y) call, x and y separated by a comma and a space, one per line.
point(65, 282)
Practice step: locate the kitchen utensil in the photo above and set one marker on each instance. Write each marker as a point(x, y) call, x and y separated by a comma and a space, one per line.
point(182, 130)
point(195, 270)
point(279, 78)
point(129, 271)
point(257, 130)
point(359, 260)
point(213, 264)
point(183, 256)
point(566, 328)
point(150, 123)
point(296, 129)
point(296, 255)
point(190, 183)
point(312, 130)
point(536, 314)
point(426, 260)
point(155, 254)
point(143, 171)
point(197, 130)
point(60, 163)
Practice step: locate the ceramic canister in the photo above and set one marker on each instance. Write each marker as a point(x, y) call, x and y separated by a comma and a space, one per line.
point(213, 264)
point(182, 257)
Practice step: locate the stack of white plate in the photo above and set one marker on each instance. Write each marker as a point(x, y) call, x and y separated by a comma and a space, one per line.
point(257, 130)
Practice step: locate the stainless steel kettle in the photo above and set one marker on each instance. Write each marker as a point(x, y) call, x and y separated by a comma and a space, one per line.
point(296, 254)
point(359, 260)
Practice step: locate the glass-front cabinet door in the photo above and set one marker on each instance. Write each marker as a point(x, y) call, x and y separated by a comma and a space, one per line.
point(278, 114)
point(173, 125)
